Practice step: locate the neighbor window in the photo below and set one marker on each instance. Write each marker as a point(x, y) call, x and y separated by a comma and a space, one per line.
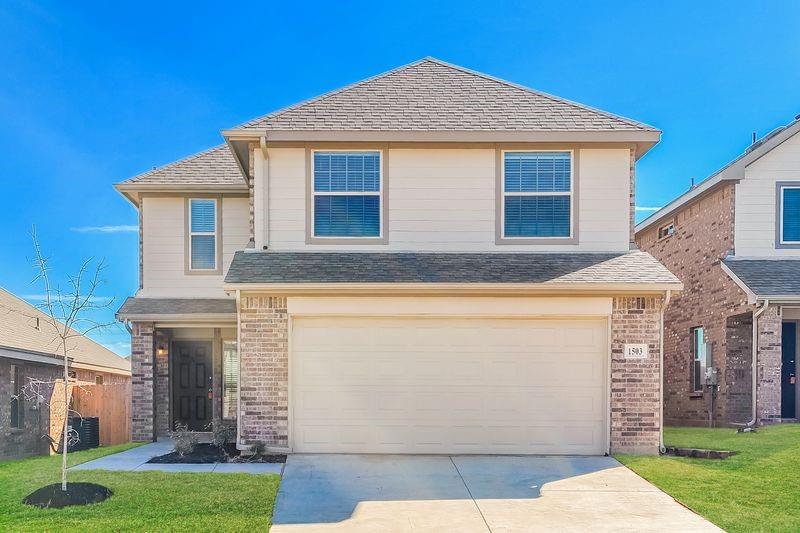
point(203, 234)
point(98, 380)
point(699, 360)
point(666, 231)
point(16, 397)
point(790, 214)
point(347, 194)
point(230, 378)
point(537, 194)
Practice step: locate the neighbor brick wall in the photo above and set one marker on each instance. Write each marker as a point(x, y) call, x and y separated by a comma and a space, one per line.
point(142, 346)
point(25, 441)
point(264, 370)
point(769, 365)
point(703, 237)
point(635, 384)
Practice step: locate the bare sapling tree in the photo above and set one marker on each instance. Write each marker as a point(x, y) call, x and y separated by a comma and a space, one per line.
point(70, 313)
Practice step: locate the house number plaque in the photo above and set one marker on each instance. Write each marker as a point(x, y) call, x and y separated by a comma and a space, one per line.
point(636, 351)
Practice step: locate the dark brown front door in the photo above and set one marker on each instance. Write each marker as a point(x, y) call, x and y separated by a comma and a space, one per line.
point(191, 384)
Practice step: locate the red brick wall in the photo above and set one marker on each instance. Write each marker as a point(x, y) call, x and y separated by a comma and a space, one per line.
point(703, 237)
point(635, 394)
point(264, 371)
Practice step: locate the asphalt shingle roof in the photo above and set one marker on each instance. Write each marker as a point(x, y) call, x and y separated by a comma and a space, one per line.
point(768, 277)
point(177, 306)
point(215, 166)
point(358, 267)
point(25, 328)
point(430, 95)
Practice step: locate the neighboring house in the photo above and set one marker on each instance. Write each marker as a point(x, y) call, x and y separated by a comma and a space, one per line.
point(734, 241)
point(432, 260)
point(30, 349)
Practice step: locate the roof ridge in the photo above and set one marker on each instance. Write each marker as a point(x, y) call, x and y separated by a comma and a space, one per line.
point(323, 96)
point(175, 163)
point(431, 59)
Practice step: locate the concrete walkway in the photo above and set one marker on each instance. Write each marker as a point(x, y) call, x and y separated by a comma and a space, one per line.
point(322, 493)
point(135, 460)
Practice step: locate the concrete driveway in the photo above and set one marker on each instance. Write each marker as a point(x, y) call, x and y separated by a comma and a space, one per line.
point(471, 493)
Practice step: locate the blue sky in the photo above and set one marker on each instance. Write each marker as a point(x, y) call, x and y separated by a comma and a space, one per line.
point(93, 93)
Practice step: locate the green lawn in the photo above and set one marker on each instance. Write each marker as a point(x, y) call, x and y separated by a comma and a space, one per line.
point(142, 501)
point(756, 490)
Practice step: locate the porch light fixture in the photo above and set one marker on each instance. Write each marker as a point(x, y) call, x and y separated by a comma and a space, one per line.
point(161, 350)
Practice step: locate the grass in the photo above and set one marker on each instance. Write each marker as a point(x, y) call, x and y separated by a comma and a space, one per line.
point(142, 501)
point(756, 490)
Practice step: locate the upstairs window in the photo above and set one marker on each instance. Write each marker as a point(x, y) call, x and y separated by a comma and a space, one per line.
point(666, 230)
point(347, 194)
point(790, 214)
point(537, 194)
point(203, 234)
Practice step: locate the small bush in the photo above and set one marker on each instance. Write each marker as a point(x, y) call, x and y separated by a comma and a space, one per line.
point(222, 434)
point(185, 440)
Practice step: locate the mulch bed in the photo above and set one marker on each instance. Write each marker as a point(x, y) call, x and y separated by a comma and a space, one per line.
point(697, 453)
point(52, 497)
point(208, 453)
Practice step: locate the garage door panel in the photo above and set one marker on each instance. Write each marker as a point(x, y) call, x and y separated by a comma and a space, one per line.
point(448, 385)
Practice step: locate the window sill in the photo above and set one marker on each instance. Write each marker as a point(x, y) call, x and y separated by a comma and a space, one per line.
point(16, 431)
point(695, 395)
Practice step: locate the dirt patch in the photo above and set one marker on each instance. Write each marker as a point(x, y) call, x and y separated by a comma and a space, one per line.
point(52, 497)
point(208, 454)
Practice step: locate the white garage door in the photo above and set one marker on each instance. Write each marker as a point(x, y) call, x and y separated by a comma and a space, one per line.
point(448, 385)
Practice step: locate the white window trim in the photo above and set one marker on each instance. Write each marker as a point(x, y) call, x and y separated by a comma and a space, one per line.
point(214, 233)
point(780, 216)
point(378, 193)
point(506, 194)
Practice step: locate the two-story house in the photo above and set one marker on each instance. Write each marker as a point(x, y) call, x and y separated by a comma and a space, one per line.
point(734, 241)
point(432, 260)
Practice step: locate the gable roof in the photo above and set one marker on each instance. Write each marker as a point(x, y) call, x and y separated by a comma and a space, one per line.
point(431, 95)
point(27, 330)
point(772, 279)
point(732, 171)
point(215, 168)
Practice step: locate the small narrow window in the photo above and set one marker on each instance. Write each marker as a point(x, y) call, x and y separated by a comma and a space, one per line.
point(790, 215)
point(230, 378)
point(699, 359)
point(347, 194)
point(203, 234)
point(16, 397)
point(537, 194)
point(666, 230)
point(98, 380)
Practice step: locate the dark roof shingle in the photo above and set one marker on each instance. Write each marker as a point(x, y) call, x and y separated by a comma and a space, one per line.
point(401, 267)
point(768, 277)
point(177, 306)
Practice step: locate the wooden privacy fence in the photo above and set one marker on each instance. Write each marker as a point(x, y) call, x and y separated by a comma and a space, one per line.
point(111, 404)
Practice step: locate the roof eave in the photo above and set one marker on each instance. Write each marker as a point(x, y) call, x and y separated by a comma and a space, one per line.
point(133, 191)
point(183, 317)
point(548, 288)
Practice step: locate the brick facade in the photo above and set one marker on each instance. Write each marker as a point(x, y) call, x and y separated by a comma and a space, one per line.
point(264, 371)
point(769, 365)
point(635, 383)
point(142, 382)
point(264, 361)
point(703, 237)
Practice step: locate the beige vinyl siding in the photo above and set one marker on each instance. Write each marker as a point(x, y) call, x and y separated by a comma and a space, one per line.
point(163, 220)
point(444, 200)
point(756, 216)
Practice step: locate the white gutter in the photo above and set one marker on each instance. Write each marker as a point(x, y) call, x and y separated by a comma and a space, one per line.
point(661, 447)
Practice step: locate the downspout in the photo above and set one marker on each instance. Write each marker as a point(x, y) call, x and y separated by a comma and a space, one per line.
point(265, 192)
point(754, 369)
point(665, 303)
